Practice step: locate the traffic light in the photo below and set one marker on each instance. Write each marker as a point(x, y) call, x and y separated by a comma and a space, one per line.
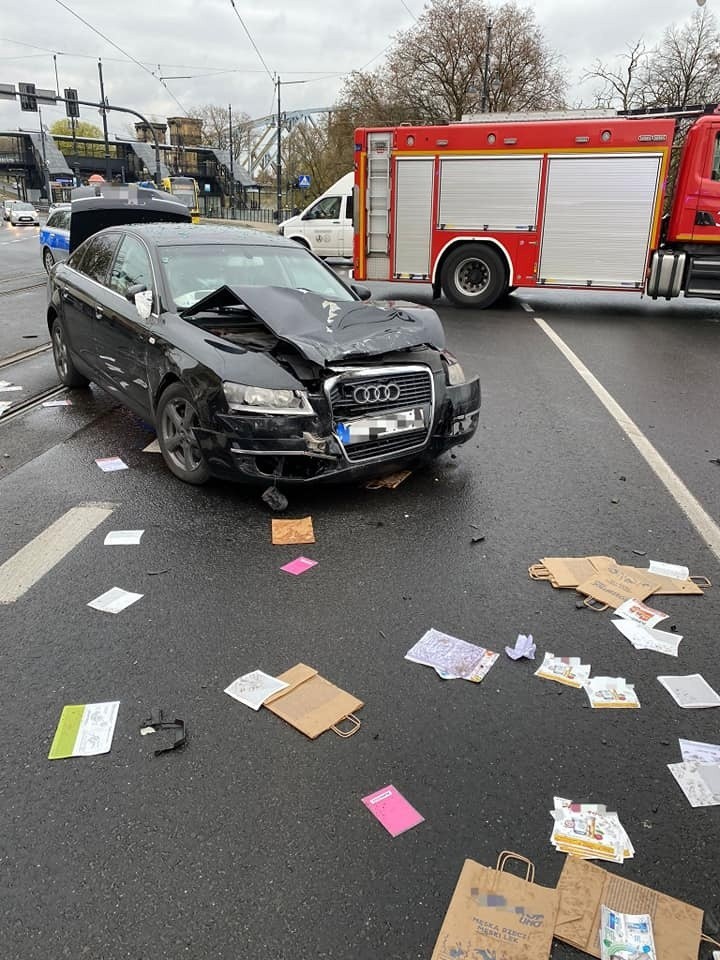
point(28, 100)
point(72, 107)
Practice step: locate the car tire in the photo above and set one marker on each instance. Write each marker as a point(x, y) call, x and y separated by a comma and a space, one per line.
point(175, 419)
point(67, 372)
point(474, 275)
point(48, 259)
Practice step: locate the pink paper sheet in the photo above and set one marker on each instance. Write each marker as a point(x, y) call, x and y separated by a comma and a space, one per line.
point(296, 567)
point(392, 810)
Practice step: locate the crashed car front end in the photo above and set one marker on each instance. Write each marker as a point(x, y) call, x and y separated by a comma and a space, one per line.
point(344, 421)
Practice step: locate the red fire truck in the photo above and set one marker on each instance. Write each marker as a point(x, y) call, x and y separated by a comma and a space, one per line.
point(565, 200)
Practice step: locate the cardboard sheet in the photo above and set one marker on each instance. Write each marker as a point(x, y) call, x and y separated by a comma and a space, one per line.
point(615, 585)
point(293, 531)
point(568, 572)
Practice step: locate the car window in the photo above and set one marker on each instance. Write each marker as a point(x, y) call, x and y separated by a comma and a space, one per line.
point(326, 209)
point(349, 206)
point(64, 219)
point(97, 257)
point(52, 220)
point(131, 266)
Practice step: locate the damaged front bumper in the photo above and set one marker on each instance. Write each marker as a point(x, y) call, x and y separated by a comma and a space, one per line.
point(312, 448)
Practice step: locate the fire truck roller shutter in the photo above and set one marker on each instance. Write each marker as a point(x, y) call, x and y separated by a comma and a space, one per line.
point(489, 193)
point(413, 215)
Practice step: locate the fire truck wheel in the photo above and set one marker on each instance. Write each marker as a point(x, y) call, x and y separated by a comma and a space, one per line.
point(474, 275)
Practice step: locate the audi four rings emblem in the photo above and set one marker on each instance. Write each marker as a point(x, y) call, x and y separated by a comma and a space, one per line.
point(376, 393)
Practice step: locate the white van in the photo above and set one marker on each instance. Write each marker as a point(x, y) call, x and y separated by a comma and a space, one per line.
point(326, 225)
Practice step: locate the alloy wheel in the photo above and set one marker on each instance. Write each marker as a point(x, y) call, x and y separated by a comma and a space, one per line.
point(60, 352)
point(179, 419)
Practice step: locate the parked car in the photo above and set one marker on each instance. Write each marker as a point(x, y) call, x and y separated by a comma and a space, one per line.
point(326, 225)
point(23, 213)
point(6, 207)
point(251, 357)
point(55, 236)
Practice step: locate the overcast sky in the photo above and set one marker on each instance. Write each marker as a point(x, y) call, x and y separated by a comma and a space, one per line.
point(200, 38)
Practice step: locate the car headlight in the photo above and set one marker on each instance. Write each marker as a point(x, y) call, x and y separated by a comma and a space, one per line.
point(454, 373)
point(265, 400)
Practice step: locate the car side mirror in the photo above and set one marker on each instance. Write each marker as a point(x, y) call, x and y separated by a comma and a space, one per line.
point(133, 290)
point(362, 292)
point(139, 294)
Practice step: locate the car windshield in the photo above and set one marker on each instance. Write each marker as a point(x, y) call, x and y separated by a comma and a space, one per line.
point(22, 206)
point(194, 271)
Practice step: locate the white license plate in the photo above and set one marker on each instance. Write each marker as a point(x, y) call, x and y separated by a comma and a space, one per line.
point(373, 428)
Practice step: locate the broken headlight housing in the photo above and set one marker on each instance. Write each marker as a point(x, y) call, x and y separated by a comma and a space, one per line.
point(265, 400)
point(454, 373)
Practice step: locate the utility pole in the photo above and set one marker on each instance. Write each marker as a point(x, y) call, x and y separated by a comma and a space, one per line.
point(46, 171)
point(486, 71)
point(279, 153)
point(57, 82)
point(232, 164)
point(108, 172)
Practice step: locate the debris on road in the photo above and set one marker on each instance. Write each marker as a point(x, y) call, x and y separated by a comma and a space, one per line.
point(567, 670)
point(292, 531)
point(700, 782)
point(672, 570)
point(524, 647)
point(393, 811)
point(390, 482)
point(153, 447)
point(110, 464)
point(157, 721)
point(590, 831)
point(123, 538)
point(114, 600)
point(452, 659)
point(647, 638)
point(313, 705)
point(611, 693)
point(625, 935)
point(156, 573)
point(701, 752)
point(57, 403)
point(84, 730)
point(274, 499)
point(480, 539)
point(7, 387)
point(640, 613)
point(5, 405)
point(298, 566)
point(691, 692)
point(254, 688)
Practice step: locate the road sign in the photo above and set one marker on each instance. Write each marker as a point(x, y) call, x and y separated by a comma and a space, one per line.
point(72, 107)
point(28, 100)
point(304, 181)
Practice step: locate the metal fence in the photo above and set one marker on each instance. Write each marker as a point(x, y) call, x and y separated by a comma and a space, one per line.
point(248, 214)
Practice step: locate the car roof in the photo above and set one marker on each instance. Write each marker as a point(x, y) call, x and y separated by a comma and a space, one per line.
point(185, 234)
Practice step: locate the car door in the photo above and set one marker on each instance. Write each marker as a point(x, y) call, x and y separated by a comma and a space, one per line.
point(347, 227)
point(121, 331)
point(83, 292)
point(324, 227)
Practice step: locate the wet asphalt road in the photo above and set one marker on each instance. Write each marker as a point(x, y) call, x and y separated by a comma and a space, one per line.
point(252, 842)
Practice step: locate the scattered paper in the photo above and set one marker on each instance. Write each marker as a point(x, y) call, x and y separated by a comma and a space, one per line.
point(701, 752)
point(640, 612)
point(590, 831)
point(84, 730)
point(296, 567)
point(700, 782)
point(153, 447)
point(5, 383)
point(292, 531)
point(452, 659)
point(57, 403)
point(625, 936)
point(611, 693)
point(691, 692)
point(108, 464)
point(390, 482)
point(123, 538)
point(5, 405)
point(7, 388)
point(114, 600)
point(524, 647)
point(567, 670)
point(254, 688)
point(647, 638)
point(392, 810)
point(673, 570)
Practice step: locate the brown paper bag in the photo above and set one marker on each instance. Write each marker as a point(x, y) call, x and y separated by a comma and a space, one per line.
point(667, 586)
point(498, 915)
point(584, 888)
point(312, 704)
point(613, 585)
point(568, 572)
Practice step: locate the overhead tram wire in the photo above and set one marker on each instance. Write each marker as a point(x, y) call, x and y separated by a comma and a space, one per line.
point(254, 45)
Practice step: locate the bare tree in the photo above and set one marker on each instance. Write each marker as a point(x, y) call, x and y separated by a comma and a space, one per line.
point(624, 83)
point(216, 126)
point(683, 68)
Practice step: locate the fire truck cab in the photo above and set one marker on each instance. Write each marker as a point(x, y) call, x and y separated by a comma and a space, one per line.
point(564, 200)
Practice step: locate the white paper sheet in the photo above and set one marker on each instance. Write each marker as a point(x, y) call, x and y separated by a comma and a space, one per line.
point(691, 692)
point(701, 752)
point(114, 600)
point(153, 447)
point(109, 464)
point(700, 782)
point(673, 570)
point(57, 403)
point(123, 538)
point(644, 638)
point(254, 688)
point(640, 613)
point(5, 405)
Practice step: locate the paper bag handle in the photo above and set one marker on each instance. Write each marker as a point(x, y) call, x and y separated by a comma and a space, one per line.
point(347, 733)
point(592, 604)
point(508, 855)
point(701, 581)
point(538, 571)
point(707, 939)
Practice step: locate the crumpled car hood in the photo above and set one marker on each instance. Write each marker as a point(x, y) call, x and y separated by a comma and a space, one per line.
point(326, 331)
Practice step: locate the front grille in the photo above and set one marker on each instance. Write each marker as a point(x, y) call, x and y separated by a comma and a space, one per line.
point(415, 388)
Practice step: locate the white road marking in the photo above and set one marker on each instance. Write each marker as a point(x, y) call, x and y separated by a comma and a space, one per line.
point(35, 559)
point(526, 306)
point(692, 508)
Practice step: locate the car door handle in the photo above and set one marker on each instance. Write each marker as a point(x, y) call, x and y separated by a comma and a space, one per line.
point(99, 313)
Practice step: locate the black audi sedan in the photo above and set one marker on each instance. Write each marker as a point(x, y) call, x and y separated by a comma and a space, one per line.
point(252, 358)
